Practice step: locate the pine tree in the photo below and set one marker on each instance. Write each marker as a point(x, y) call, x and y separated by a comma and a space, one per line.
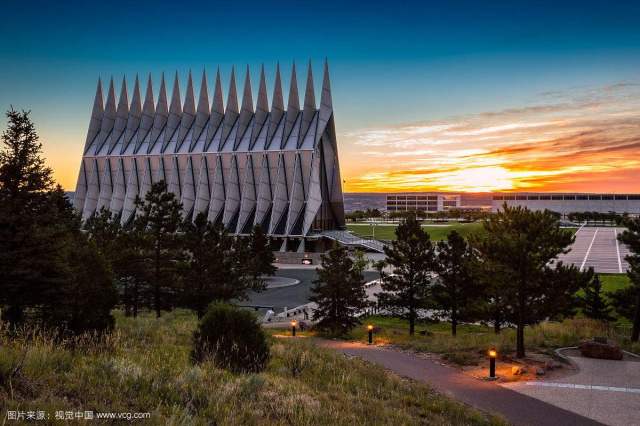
point(338, 291)
point(594, 304)
point(29, 236)
point(159, 218)
point(412, 257)
point(455, 290)
point(218, 267)
point(521, 246)
point(261, 258)
point(51, 274)
point(629, 300)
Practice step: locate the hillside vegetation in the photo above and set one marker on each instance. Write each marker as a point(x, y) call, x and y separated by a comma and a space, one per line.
point(143, 366)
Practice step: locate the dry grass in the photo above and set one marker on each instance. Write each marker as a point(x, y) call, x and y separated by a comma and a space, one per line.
point(143, 366)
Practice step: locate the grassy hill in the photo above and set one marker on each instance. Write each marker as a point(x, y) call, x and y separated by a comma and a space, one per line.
point(143, 366)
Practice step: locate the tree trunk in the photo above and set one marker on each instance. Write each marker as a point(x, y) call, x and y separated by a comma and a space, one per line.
point(496, 326)
point(412, 322)
point(635, 332)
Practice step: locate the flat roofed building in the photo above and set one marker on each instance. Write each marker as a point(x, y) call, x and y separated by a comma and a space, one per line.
point(565, 203)
point(422, 201)
point(242, 165)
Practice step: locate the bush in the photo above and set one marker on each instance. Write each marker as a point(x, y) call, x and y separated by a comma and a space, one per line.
point(232, 339)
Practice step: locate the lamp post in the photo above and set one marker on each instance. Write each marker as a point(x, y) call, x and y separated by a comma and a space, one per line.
point(293, 328)
point(492, 363)
point(370, 330)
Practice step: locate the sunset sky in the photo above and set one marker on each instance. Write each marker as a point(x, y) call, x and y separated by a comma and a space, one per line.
point(455, 96)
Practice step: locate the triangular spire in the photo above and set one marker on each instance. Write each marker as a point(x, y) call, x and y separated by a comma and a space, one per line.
point(231, 113)
point(293, 107)
point(136, 101)
point(148, 111)
point(122, 115)
point(217, 110)
point(108, 118)
point(188, 112)
point(202, 113)
point(277, 107)
point(135, 113)
point(161, 113)
point(326, 105)
point(96, 116)
point(175, 112)
point(190, 99)
point(262, 108)
point(246, 113)
point(309, 104)
point(110, 107)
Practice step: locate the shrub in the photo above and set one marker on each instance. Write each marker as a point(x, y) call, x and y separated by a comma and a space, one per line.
point(232, 339)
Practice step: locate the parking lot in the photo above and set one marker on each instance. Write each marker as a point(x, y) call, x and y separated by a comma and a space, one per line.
point(598, 248)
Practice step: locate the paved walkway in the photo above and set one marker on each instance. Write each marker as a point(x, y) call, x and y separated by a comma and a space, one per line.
point(598, 247)
point(607, 391)
point(517, 408)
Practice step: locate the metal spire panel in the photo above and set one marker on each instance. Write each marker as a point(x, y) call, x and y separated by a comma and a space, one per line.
point(135, 114)
point(262, 109)
point(122, 115)
point(293, 108)
point(277, 108)
point(246, 113)
point(231, 113)
point(175, 114)
point(161, 114)
point(188, 113)
point(96, 117)
point(202, 113)
point(309, 109)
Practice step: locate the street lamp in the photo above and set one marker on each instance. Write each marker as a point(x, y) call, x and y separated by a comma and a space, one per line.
point(293, 328)
point(492, 363)
point(370, 330)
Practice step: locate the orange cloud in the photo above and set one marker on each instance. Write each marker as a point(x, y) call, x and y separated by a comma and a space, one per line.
point(588, 140)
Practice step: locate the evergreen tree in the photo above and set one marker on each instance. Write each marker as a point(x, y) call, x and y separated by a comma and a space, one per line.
point(456, 290)
point(104, 229)
point(157, 225)
point(338, 291)
point(594, 304)
point(412, 257)
point(261, 258)
point(629, 300)
point(521, 246)
point(50, 273)
point(30, 240)
point(360, 261)
point(219, 267)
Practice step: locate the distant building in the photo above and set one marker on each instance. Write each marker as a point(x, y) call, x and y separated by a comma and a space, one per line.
point(565, 203)
point(422, 201)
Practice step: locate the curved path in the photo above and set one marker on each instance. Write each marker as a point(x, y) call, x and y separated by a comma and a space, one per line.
point(517, 408)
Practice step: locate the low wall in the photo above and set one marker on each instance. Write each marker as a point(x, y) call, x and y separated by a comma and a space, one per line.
point(294, 258)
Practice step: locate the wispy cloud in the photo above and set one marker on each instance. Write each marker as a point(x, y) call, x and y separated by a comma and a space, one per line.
point(581, 139)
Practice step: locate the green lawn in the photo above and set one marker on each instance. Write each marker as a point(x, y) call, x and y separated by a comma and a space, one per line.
point(437, 232)
point(613, 282)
